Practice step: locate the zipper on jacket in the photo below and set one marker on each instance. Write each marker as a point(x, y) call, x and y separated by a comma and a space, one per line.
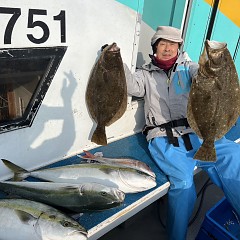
point(173, 69)
point(168, 83)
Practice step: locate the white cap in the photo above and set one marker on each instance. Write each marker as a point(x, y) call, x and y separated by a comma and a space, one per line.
point(169, 33)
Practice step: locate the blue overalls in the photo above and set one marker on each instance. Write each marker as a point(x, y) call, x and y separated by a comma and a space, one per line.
point(178, 164)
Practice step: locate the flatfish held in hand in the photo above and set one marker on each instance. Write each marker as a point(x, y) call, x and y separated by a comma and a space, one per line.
point(106, 93)
point(214, 99)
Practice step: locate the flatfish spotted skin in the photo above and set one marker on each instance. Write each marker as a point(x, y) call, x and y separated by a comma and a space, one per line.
point(214, 99)
point(106, 93)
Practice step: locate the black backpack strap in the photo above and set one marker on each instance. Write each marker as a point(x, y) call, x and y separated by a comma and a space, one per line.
point(187, 142)
point(171, 139)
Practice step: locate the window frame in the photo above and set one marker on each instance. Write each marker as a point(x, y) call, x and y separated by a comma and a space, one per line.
point(55, 54)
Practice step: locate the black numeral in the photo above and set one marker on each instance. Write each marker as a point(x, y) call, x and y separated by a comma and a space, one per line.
point(32, 24)
point(16, 12)
point(61, 17)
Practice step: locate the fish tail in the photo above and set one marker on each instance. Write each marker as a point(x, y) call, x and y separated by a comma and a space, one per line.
point(19, 173)
point(99, 135)
point(206, 152)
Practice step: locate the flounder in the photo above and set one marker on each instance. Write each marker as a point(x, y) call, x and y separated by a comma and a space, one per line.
point(106, 93)
point(214, 99)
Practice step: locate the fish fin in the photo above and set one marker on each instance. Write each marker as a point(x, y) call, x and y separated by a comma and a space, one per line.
point(99, 136)
point(24, 217)
point(87, 155)
point(206, 152)
point(19, 173)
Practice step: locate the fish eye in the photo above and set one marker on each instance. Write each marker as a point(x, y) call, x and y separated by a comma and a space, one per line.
point(66, 224)
point(220, 56)
point(140, 172)
point(217, 58)
point(103, 193)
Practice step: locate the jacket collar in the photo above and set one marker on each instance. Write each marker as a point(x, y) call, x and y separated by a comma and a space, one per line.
point(183, 57)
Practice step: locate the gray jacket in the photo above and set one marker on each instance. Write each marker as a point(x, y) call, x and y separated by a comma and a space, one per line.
point(165, 95)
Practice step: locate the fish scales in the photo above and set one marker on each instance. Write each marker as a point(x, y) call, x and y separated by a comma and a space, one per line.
point(106, 94)
point(214, 99)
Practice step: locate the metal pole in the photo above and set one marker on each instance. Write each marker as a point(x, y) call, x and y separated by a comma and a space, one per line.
point(172, 13)
point(236, 49)
point(212, 19)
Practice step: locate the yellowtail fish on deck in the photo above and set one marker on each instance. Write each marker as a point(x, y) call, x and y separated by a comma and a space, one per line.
point(74, 197)
point(22, 219)
point(128, 180)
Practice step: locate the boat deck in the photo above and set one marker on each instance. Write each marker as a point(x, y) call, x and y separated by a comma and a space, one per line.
point(99, 224)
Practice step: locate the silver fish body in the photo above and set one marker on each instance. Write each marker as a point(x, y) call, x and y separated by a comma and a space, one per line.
point(128, 180)
point(22, 219)
point(214, 99)
point(106, 93)
point(125, 162)
point(74, 197)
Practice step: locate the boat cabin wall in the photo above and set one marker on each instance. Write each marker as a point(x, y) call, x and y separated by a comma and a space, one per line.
point(62, 126)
